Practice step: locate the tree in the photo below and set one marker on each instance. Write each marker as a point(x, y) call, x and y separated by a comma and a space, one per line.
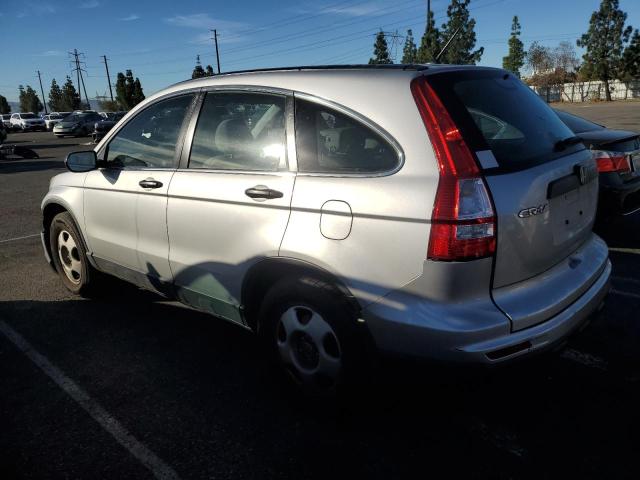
point(29, 101)
point(430, 42)
point(380, 50)
point(198, 71)
point(128, 91)
point(539, 59)
point(460, 50)
point(209, 71)
point(630, 65)
point(565, 58)
point(4, 105)
point(138, 94)
point(514, 60)
point(70, 98)
point(409, 52)
point(55, 97)
point(604, 42)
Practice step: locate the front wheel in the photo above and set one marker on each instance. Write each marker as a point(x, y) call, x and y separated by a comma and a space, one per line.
point(309, 330)
point(69, 254)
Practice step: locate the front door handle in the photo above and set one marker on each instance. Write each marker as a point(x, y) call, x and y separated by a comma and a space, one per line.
point(262, 192)
point(150, 183)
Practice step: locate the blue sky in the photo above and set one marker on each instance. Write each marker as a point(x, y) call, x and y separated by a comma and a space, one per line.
point(159, 40)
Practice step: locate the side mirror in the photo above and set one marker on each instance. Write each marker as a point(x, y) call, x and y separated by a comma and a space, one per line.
point(82, 161)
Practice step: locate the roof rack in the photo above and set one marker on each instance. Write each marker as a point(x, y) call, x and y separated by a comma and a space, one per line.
point(392, 66)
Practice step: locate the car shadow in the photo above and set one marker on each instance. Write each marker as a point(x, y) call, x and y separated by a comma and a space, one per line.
point(181, 377)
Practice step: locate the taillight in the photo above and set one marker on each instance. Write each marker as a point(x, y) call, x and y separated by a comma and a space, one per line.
point(463, 220)
point(611, 162)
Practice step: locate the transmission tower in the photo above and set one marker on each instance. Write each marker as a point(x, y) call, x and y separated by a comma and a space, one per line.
point(393, 41)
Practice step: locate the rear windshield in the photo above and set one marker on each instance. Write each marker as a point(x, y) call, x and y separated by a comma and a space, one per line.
point(577, 124)
point(27, 115)
point(496, 111)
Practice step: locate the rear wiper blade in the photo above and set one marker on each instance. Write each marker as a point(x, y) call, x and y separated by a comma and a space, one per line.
point(562, 144)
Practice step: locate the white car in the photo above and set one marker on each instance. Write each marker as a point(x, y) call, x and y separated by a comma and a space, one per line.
point(51, 119)
point(26, 121)
point(6, 120)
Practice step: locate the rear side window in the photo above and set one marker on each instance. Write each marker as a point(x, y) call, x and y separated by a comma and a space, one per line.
point(328, 141)
point(240, 131)
point(494, 110)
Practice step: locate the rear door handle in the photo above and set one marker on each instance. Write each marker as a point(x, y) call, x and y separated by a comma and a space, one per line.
point(262, 191)
point(150, 183)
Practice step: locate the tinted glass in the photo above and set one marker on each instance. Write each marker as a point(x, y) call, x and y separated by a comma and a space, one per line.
point(330, 142)
point(495, 110)
point(149, 139)
point(578, 124)
point(27, 115)
point(240, 131)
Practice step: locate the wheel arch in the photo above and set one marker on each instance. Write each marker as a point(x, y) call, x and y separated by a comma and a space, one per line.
point(49, 211)
point(269, 271)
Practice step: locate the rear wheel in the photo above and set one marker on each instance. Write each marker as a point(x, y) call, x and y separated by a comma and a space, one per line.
point(69, 254)
point(308, 329)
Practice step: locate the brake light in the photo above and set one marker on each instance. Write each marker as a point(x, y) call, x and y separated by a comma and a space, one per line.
point(463, 220)
point(611, 162)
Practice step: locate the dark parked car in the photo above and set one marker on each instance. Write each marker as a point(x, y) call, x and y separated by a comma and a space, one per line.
point(103, 126)
point(617, 154)
point(77, 124)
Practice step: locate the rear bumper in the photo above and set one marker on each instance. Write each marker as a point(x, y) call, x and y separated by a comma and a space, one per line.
point(476, 333)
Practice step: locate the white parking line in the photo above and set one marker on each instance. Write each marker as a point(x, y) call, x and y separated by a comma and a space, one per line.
point(625, 294)
point(19, 238)
point(625, 250)
point(149, 459)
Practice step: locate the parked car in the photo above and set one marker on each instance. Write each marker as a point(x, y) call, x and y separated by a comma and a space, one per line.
point(304, 205)
point(6, 121)
point(26, 121)
point(103, 126)
point(77, 124)
point(3, 133)
point(617, 154)
point(52, 119)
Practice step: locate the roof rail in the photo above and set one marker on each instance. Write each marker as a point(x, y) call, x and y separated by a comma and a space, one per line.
point(392, 66)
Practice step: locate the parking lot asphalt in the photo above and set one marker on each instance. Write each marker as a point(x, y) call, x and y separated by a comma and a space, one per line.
point(129, 385)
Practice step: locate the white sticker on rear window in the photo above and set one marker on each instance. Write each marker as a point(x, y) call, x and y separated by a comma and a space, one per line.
point(486, 159)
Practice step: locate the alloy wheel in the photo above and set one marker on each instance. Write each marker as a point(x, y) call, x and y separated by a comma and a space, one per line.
point(69, 256)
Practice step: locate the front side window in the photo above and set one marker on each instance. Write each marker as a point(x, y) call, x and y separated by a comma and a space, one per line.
point(149, 139)
point(240, 131)
point(328, 141)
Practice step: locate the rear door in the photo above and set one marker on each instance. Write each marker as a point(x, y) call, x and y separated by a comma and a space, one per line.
point(542, 179)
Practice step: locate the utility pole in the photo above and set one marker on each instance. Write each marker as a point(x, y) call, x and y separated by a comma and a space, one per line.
point(78, 70)
point(44, 100)
point(215, 40)
point(108, 77)
point(75, 54)
point(428, 15)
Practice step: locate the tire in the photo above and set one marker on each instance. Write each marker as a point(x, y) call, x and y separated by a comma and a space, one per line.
point(70, 255)
point(308, 330)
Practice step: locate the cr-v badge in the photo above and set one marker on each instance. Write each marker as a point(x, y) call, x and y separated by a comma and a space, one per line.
point(531, 211)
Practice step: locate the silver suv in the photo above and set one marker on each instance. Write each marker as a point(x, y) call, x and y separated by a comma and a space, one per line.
point(438, 211)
